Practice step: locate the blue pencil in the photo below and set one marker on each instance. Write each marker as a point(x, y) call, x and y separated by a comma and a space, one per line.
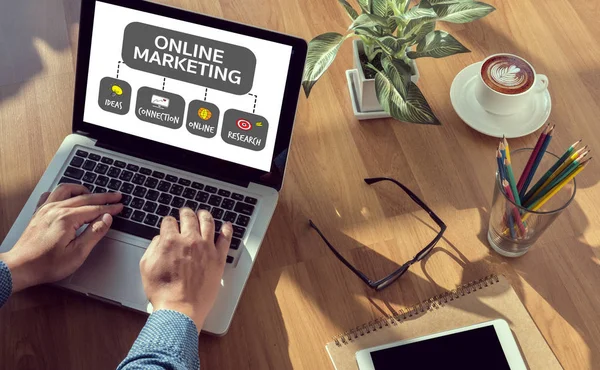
point(538, 159)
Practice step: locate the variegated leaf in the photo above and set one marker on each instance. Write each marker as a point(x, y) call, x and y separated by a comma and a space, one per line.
point(418, 13)
point(399, 74)
point(438, 44)
point(379, 7)
point(437, 2)
point(364, 5)
point(368, 21)
point(393, 43)
point(463, 12)
point(349, 9)
point(321, 53)
point(421, 29)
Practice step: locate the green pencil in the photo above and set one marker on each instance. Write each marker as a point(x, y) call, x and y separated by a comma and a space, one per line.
point(511, 180)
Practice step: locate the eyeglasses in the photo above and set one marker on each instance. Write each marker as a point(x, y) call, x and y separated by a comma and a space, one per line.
point(386, 281)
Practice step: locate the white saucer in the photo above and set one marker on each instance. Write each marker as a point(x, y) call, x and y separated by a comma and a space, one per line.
point(462, 95)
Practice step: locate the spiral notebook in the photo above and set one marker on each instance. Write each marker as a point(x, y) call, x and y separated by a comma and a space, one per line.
point(482, 300)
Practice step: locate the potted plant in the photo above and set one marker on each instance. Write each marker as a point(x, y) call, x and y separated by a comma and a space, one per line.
point(390, 35)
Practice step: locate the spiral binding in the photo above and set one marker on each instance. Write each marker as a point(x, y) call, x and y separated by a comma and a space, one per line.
point(430, 304)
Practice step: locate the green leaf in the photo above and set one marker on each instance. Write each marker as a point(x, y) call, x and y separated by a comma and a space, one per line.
point(364, 5)
point(398, 73)
point(393, 43)
point(462, 12)
point(418, 30)
point(379, 7)
point(368, 21)
point(369, 32)
point(438, 44)
point(412, 109)
point(321, 53)
point(437, 2)
point(418, 13)
point(349, 9)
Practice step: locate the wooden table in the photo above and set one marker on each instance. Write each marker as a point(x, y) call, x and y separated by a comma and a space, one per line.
point(299, 296)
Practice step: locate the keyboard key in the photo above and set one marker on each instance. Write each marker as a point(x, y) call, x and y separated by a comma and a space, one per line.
point(165, 198)
point(126, 199)
point(176, 189)
point(215, 200)
point(243, 220)
point(89, 165)
point(133, 167)
point(113, 172)
point(163, 210)
point(120, 164)
point(77, 161)
point(137, 203)
point(228, 203)
point(210, 189)
point(138, 179)
point(158, 175)
point(101, 168)
point(224, 193)
point(150, 207)
point(202, 197)
point(89, 177)
point(197, 185)
point(250, 200)
point(114, 184)
point(217, 213)
point(184, 182)
point(218, 226)
point(89, 186)
point(101, 180)
point(235, 243)
point(139, 191)
point(107, 160)
point(138, 216)
point(126, 188)
point(229, 259)
point(238, 231)
point(94, 157)
point(230, 216)
point(152, 195)
point(164, 186)
point(145, 171)
point(81, 153)
point(191, 204)
point(174, 213)
point(99, 190)
point(66, 180)
point(130, 227)
point(126, 175)
point(177, 202)
point(237, 196)
point(74, 173)
point(171, 178)
point(151, 182)
point(204, 206)
point(189, 193)
point(126, 212)
point(243, 208)
point(150, 220)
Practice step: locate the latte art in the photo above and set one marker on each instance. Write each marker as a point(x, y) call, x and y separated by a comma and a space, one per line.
point(507, 74)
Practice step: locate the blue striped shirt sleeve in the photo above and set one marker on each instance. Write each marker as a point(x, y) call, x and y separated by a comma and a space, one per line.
point(5, 283)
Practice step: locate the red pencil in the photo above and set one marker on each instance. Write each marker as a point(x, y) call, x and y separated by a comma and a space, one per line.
point(515, 211)
point(532, 158)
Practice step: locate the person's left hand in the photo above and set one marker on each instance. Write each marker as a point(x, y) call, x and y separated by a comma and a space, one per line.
point(49, 249)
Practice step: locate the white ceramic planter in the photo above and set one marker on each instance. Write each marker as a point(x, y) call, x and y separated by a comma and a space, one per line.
point(365, 91)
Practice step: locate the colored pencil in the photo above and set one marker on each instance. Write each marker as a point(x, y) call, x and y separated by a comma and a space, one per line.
point(549, 173)
point(557, 188)
point(532, 158)
point(515, 212)
point(500, 165)
point(511, 180)
point(536, 162)
point(505, 142)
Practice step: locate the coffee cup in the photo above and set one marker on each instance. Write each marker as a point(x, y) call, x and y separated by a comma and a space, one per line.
point(507, 84)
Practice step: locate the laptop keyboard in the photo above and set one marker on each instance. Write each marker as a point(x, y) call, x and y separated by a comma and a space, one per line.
point(150, 195)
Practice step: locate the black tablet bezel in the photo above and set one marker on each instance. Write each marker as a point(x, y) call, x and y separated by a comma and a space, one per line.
point(174, 156)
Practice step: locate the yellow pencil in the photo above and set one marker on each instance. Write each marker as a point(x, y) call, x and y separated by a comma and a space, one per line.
point(573, 157)
point(506, 147)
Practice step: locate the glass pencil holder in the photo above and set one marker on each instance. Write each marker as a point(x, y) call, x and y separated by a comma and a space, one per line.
point(514, 228)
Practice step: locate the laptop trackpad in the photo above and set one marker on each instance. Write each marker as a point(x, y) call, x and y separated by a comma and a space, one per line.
point(113, 271)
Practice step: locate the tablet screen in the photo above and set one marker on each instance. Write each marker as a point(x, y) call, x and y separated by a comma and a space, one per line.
point(473, 349)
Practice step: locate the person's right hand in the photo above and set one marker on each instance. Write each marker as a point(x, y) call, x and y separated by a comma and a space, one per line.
point(182, 270)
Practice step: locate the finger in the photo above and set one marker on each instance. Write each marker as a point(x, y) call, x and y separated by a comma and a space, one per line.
point(95, 231)
point(169, 226)
point(92, 199)
point(207, 225)
point(189, 222)
point(85, 214)
point(66, 191)
point(43, 199)
point(224, 240)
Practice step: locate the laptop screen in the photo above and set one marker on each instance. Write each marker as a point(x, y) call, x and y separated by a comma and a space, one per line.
point(202, 89)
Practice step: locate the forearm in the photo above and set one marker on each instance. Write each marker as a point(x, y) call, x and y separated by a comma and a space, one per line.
point(5, 283)
point(169, 340)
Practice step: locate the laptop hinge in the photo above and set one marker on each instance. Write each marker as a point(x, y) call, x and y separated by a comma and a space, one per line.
point(180, 166)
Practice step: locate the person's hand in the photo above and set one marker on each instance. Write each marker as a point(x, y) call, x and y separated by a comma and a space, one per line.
point(182, 270)
point(49, 249)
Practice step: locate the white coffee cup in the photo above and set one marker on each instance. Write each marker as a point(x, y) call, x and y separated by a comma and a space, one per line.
point(500, 103)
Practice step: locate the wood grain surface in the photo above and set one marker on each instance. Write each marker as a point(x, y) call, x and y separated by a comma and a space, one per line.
point(299, 296)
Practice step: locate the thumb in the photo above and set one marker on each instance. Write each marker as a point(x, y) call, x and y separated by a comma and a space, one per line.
point(95, 231)
point(43, 199)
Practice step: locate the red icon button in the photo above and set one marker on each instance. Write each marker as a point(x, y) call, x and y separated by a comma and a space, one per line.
point(244, 124)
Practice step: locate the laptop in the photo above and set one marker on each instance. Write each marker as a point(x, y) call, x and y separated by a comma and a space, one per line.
point(174, 109)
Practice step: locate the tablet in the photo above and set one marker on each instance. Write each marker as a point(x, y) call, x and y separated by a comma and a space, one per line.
point(489, 345)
